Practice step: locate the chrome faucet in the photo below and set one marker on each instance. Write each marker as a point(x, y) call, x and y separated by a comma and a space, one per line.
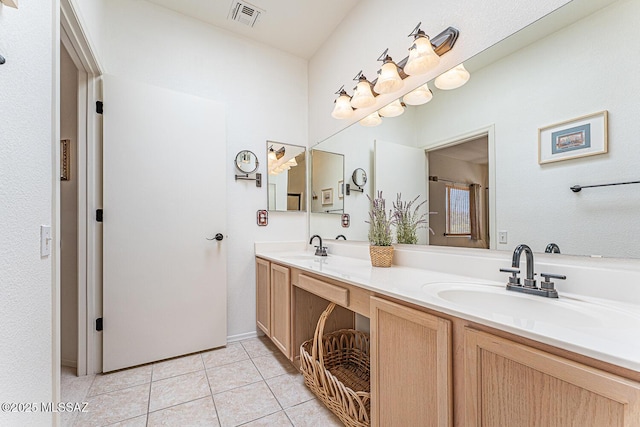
point(552, 248)
point(546, 288)
point(320, 250)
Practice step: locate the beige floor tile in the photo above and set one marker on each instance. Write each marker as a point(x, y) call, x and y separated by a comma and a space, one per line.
point(312, 414)
point(245, 404)
point(174, 367)
point(120, 405)
point(279, 419)
point(105, 383)
point(225, 355)
point(260, 346)
point(197, 413)
point(273, 365)
point(233, 375)
point(74, 388)
point(289, 389)
point(180, 389)
point(133, 422)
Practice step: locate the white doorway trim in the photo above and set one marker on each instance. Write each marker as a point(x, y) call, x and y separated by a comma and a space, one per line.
point(468, 136)
point(89, 133)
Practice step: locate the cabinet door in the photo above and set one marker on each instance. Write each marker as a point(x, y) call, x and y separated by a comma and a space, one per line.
point(281, 308)
point(263, 295)
point(509, 384)
point(410, 367)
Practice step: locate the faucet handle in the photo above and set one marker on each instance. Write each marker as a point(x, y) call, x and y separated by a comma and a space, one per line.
point(548, 284)
point(514, 279)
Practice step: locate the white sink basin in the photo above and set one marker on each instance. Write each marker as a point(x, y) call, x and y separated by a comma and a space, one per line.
point(529, 310)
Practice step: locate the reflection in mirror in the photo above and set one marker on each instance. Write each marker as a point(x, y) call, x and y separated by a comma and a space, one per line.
point(327, 182)
point(287, 178)
point(359, 177)
point(517, 87)
point(246, 162)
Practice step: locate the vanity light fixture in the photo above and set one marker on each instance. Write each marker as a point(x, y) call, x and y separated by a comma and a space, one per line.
point(371, 120)
point(452, 79)
point(342, 109)
point(394, 109)
point(422, 57)
point(362, 95)
point(424, 54)
point(389, 80)
point(418, 96)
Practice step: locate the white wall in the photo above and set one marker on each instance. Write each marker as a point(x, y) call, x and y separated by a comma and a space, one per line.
point(69, 213)
point(568, 74)
point(373, 25)
point(265, 94)
point(28, 41)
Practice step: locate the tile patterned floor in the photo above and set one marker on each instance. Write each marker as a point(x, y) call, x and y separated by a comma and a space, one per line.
point(248, 383)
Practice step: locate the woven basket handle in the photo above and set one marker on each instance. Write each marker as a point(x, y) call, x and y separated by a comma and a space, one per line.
point(316, 349)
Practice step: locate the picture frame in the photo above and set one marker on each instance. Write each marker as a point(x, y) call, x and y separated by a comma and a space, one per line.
point(327, 196)
point(341, 189)
point(580, 137)
point(65, 159)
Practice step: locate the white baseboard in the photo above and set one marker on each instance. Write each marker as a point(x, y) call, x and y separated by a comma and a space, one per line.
point(240, 337)
point(69, 363)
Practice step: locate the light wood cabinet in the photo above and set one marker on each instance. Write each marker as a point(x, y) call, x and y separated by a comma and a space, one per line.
point(281, 308)
point(411, 366)
point(263, 295)
point(510, 384)
point(432, 369)
point(273, 303)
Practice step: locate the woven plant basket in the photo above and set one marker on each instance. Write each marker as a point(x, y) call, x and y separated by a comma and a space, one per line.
point(336, 369)
point(381, 256)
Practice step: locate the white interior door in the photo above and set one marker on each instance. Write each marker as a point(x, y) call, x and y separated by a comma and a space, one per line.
point(410, 182)
point(164, 288)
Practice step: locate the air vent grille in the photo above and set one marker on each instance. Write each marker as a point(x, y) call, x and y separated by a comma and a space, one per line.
point(244, 13)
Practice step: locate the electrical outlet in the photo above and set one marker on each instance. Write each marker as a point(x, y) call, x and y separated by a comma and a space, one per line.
point(502, 236)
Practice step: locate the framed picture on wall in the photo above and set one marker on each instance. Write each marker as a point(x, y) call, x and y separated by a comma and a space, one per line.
point(327, 196)
point(580, 137)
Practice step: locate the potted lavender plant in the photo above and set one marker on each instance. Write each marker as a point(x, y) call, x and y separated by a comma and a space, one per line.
point(380, 236)
point(408, 221)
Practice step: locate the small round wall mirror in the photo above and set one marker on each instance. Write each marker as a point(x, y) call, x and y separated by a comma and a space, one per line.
point(359, 177)
point(247, 162)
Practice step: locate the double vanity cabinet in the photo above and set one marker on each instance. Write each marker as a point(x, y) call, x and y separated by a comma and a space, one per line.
point(430, 368)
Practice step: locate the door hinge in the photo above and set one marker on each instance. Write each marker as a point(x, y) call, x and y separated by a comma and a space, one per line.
point(99, 106)
point(99, 324)
point(99, 214)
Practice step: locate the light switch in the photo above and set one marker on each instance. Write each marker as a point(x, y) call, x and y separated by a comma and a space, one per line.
point(45, 240)
point(502, 236)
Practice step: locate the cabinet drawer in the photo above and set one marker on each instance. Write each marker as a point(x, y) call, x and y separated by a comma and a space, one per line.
point(325, 290)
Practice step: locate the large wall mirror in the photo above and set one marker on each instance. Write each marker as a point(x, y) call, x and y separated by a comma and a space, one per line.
point(576, 61)
point(287, 177)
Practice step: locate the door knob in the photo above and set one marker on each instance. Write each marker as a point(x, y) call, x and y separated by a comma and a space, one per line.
point(217, 237)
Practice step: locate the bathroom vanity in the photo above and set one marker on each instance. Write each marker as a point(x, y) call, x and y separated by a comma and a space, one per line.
point(449, 349)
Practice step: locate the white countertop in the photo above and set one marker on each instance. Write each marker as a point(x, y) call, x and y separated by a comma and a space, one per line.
point(603, 329)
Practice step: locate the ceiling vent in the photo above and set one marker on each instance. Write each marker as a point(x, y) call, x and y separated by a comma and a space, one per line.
point(244, 13)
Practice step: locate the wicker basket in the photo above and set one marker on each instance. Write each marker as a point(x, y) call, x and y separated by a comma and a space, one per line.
point(381, 256)
point(336, 368)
